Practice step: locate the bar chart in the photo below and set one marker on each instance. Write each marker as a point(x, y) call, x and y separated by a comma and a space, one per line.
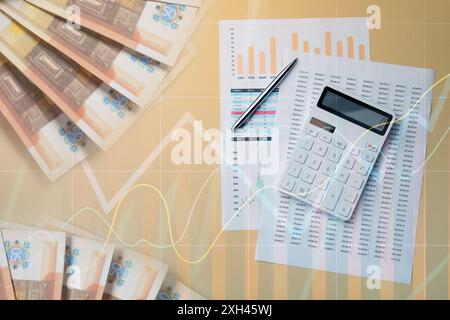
point(256, 48)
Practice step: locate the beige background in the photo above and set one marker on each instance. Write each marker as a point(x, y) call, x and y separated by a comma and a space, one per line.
point(414, 32)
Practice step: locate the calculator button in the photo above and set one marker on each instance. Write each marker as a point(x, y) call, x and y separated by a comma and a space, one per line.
point(288, 183)
point(328, 168)
point(343, 176)
point(344, 209)
point(316, 196)
point(320, 149)
point(355, 151)
point(339, 143)
point(334, 155)
point(311, 131)
point(325, 137)
point(349, 163)
point(314, 162)
point(333, 195)
point(307, 176)
point(350, 195)
point(302, 190)
point(294, 170)
point(322, 181)
point(300, 156)
point(367, 156)
point(306, 143)
point(362, 168)
point(356, 182)
point(372, 147)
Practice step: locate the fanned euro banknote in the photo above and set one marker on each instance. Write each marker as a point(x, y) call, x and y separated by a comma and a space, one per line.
point(156, 29)
point(132, 74)
point(99, 111)
point(36, 263)
point(86, 268)
point(169, 289)
point(132, 275)
point(6, 287)
point(53, 140)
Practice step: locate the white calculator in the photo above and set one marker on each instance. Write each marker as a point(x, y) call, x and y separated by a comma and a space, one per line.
point(336, 152)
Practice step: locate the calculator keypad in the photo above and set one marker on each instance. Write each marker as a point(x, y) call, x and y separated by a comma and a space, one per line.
point(328, 172)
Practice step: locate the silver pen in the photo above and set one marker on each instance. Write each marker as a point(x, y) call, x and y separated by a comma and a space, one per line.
point(263, 96)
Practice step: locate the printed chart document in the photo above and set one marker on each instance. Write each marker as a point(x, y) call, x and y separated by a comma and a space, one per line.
point(251, 56)
point(381, 233)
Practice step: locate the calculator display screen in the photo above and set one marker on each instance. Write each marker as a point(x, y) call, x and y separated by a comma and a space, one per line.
point(354, 111)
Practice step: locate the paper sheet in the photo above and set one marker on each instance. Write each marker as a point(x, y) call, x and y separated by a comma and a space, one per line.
point(379, 239)
point(251, 55)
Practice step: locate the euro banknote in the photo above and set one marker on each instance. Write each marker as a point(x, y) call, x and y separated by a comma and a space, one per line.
point(36, 263)
point(172, 289)
point(133, 276)
point(156, 29)
point(6, 287)
point(86, 268)
point(132, 74)
point(99, 111)
point(53, 140)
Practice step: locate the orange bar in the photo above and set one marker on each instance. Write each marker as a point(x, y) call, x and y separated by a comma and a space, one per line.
point(362, 52)
point(273, 55)
point(295, 42)
point(340, 51)
point(351, 50)
point(328, 43)
point(262, 62)
point(306, 47)
point(240, 64)
point(317, 50)
point(251, 60)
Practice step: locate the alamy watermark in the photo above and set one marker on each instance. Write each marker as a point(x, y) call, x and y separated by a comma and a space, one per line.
point(374, 277)
point(374, 20)
point(214, 147)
